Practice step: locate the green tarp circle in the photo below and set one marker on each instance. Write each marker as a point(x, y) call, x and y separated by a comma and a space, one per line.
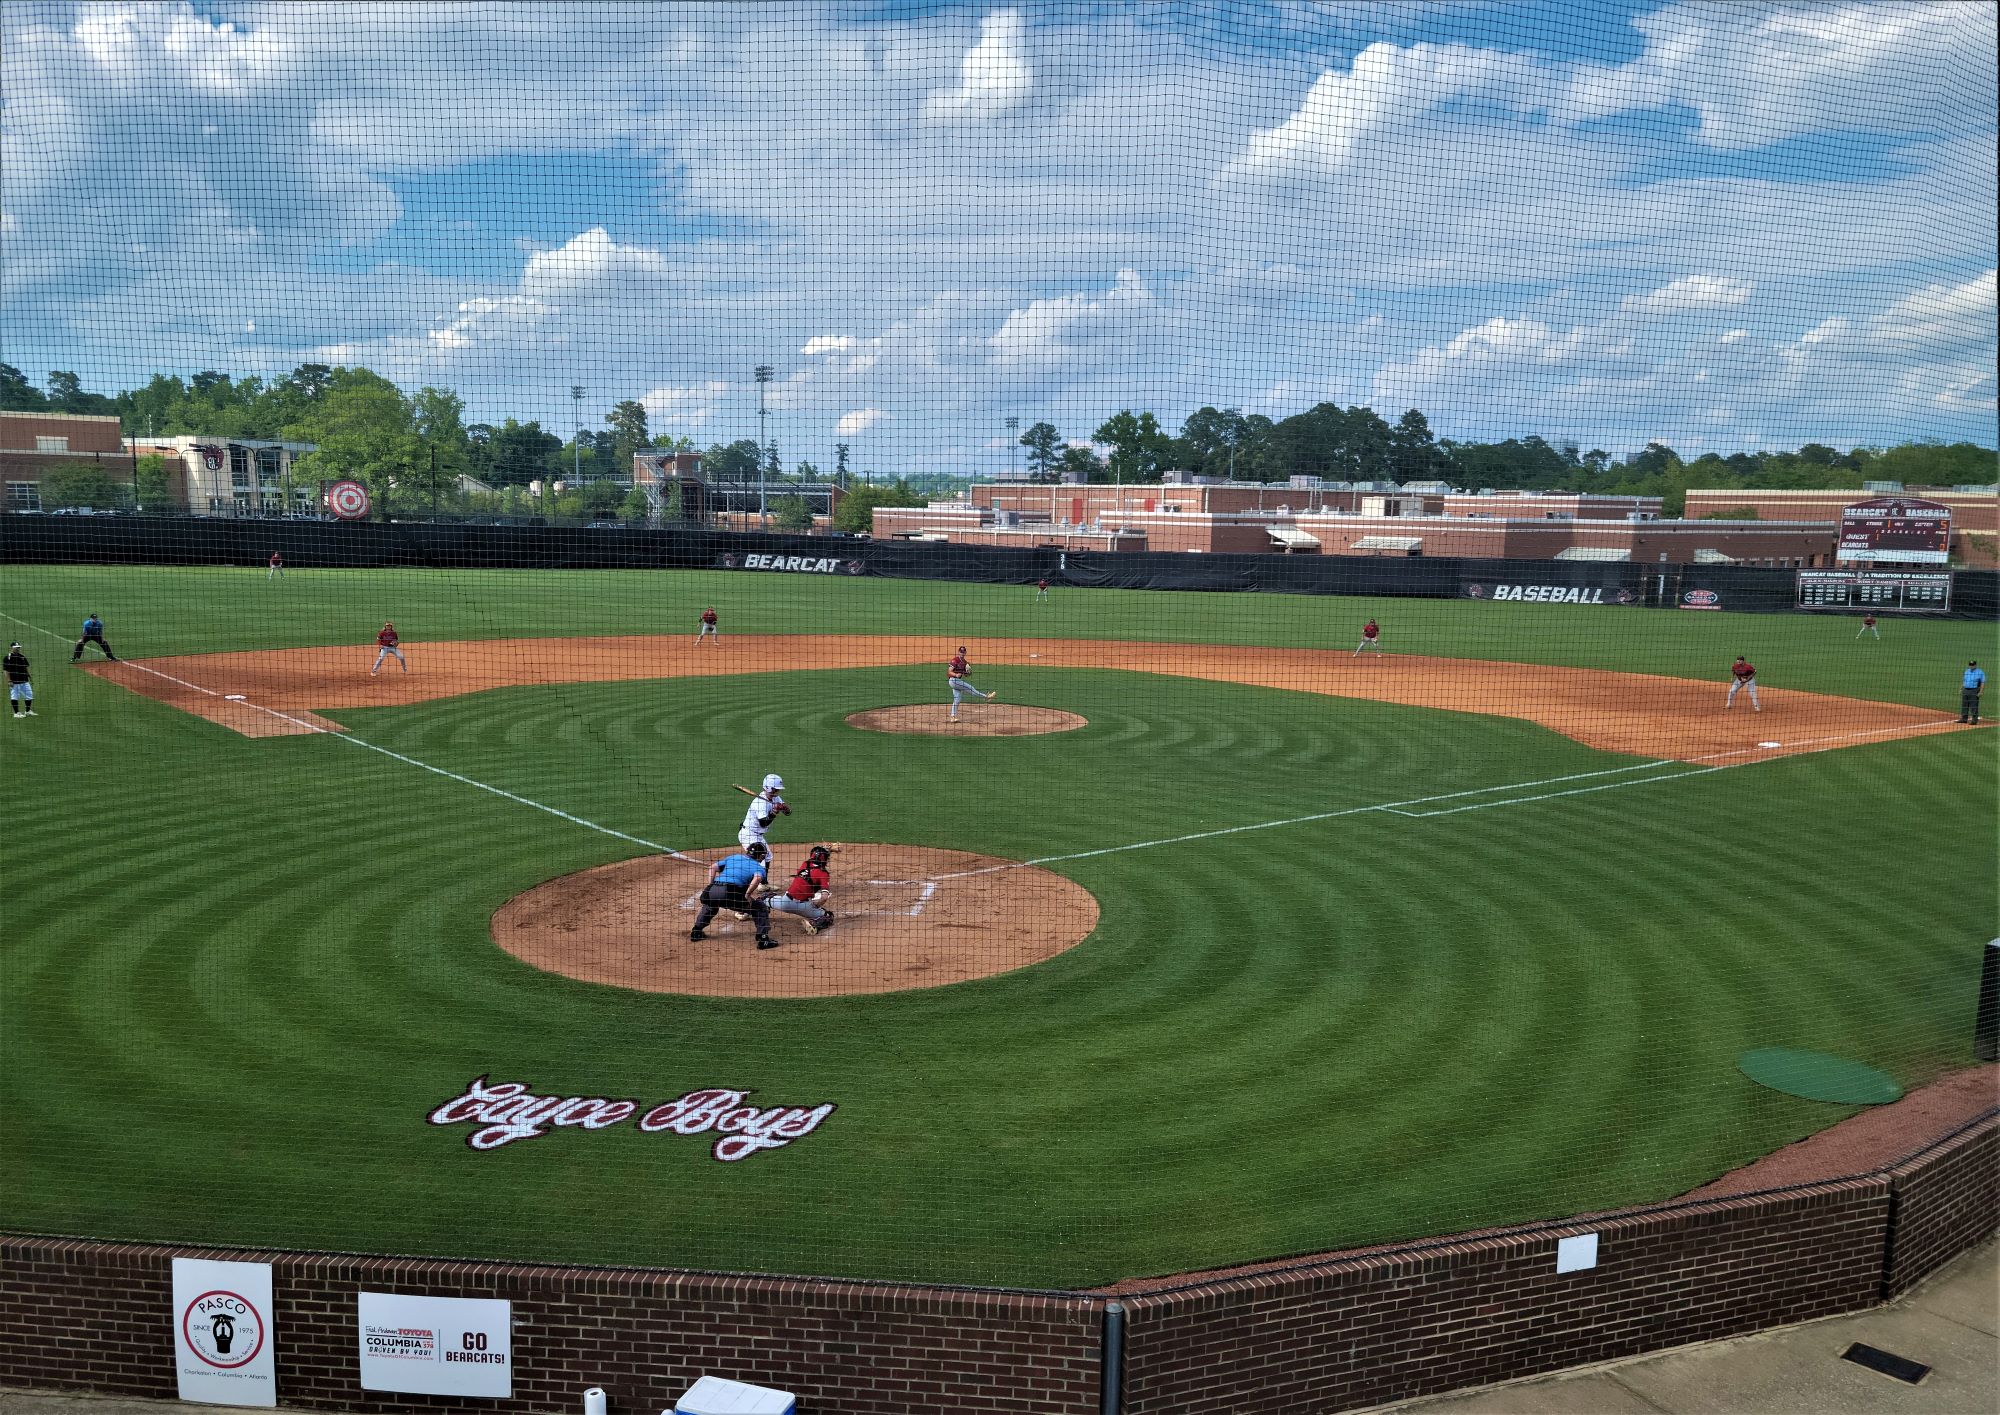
point(1815, 1076)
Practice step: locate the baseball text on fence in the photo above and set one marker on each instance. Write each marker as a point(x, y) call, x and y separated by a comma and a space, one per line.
point(506, 1111)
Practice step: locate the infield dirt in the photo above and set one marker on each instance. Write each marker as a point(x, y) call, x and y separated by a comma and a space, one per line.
point(1641, 714)
point(905, 917)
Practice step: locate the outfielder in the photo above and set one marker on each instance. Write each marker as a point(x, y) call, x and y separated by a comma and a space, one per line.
point(709, 629)
point(386, 645)
point(1868, 626)
point(738, 883)
point(959, 684)
point(1742, 674)
point(765, 807)
point(277, 567)
point(807, 893)
point(1371, 638)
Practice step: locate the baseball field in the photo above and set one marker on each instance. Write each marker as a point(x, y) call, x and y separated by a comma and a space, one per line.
point(1277, 951)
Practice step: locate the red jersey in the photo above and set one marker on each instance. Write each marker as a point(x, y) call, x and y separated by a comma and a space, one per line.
point(1041, 584)
point(388, 638)
point(708, 616)
point(277, 559)
point(1743, 670)
point(1370, 630)
point(1867, 621)
point(810, 880)
point(959, 666)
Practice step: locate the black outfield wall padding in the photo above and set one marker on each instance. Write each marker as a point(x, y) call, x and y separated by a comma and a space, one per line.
point(192, 540)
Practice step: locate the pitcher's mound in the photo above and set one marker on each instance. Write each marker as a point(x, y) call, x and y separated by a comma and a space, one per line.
point(906, 916)
point(974, 720)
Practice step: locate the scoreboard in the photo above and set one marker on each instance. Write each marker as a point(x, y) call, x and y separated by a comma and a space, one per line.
point(1896, 528)
point(1918, 590)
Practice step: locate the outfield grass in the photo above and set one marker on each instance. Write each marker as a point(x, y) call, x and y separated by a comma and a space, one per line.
point(239, 973)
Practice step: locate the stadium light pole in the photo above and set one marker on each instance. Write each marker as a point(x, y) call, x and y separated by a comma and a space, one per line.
point(576, 439)
point(763, 375)
point(1013, 447)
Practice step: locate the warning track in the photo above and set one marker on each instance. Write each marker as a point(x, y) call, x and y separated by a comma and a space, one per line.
point(1642, 714)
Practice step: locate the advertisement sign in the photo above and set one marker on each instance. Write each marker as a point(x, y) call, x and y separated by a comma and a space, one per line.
point(1902, 529)
point(792, 564)
point(436, 1345)
point(1700, 599)
point(225, 1352)
point(1551, 594)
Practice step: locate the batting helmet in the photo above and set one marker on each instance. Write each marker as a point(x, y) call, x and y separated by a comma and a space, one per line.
point(774, 782)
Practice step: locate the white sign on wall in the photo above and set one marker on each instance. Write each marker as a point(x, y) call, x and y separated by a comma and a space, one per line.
point(225, 1351)
point(436, 1345)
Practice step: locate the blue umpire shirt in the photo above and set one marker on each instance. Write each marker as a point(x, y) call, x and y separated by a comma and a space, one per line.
point(1975, 678)
point(739, 870)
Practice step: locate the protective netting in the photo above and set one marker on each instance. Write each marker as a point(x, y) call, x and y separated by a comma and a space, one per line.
point(399, 389)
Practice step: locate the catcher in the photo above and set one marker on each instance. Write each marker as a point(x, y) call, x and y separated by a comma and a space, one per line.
point(807, 893)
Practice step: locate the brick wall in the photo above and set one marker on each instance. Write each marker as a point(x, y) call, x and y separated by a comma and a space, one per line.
point(1322, 1335)
point(1945, 1201)
point(1388, 1326)
point(98, 1316)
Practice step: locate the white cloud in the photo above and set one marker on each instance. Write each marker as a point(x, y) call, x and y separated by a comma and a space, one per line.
point(684, 408)
point(860, 420)
point(828, 344)
point(1072, 328)
point(993, 77)
point(589, 263)
point(1734, 336)
point(1940, 315)
point(1696, 292)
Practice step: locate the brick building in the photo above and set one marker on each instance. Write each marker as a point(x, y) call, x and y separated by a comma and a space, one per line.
point(233, 476)
point(33, 444)
point(1316, 520)
point(1975, 514)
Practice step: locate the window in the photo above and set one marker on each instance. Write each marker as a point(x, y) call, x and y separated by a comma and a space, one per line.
point(51, 444)
point(24, 496)
point(268, 466)
point(239, 467)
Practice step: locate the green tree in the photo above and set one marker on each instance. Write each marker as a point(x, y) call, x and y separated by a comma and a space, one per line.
point(84, 484)
point(1044, 446)
point(856, 512)
point(840, 451)
point(67, 395)
point(635, 509)
point(733, 461)
point(17, 395)
point(603, 499)
point(790, 513)
point(1080, 463)
point(363, 428)
point(1413, 451)
point(152, 485)
point(1138, 446)
point(628, 420)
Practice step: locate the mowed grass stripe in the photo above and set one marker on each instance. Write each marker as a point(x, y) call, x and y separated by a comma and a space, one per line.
point(1216, 1074)
point(154, 610)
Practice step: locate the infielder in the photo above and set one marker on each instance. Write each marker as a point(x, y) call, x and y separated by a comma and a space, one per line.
point(1371, 638)
point(20, 692)
point(1742, 675)
point(807, 892)
point(765, 807)
point(386, 645)
point(709, 630)
point(93, 633)
point(959, 684)
point(738, 883)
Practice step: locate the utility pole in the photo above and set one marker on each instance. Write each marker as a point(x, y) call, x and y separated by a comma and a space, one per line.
point(763, 375)
point(1014, 445)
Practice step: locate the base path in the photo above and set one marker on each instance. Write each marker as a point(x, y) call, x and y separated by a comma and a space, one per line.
point(895, 928)
point(1637, 713)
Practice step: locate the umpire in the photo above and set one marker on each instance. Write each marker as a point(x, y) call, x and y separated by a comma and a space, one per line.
point(1968, 693)
point(738, 882)
point(93, 633)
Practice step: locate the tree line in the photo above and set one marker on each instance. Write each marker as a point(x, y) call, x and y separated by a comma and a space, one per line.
point(410, 449)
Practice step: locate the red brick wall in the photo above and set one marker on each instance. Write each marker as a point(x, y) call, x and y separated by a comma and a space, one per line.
point(1327, 1334)
point(98, 1316)
point(1342, 1334)
point(1945, 1201)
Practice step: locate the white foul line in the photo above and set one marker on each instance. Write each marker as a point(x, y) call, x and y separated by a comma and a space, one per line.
point(385, 751)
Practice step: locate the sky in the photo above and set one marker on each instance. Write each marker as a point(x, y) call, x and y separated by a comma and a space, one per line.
point(1722, 226)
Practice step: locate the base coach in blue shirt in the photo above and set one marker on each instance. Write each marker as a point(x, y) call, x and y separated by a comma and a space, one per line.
point(1968, 694)
point(738, 882)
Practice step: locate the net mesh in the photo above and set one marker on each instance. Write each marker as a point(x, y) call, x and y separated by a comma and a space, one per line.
point(398, 390)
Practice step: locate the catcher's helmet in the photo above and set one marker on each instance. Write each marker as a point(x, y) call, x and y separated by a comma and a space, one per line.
point(819, 854)
point(774, 782)
point(758, 851)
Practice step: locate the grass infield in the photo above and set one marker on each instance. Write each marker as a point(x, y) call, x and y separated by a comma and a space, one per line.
point(238, 974)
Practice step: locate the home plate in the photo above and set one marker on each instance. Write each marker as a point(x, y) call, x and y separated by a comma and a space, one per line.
point(233, 697)
point(1770, 744)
